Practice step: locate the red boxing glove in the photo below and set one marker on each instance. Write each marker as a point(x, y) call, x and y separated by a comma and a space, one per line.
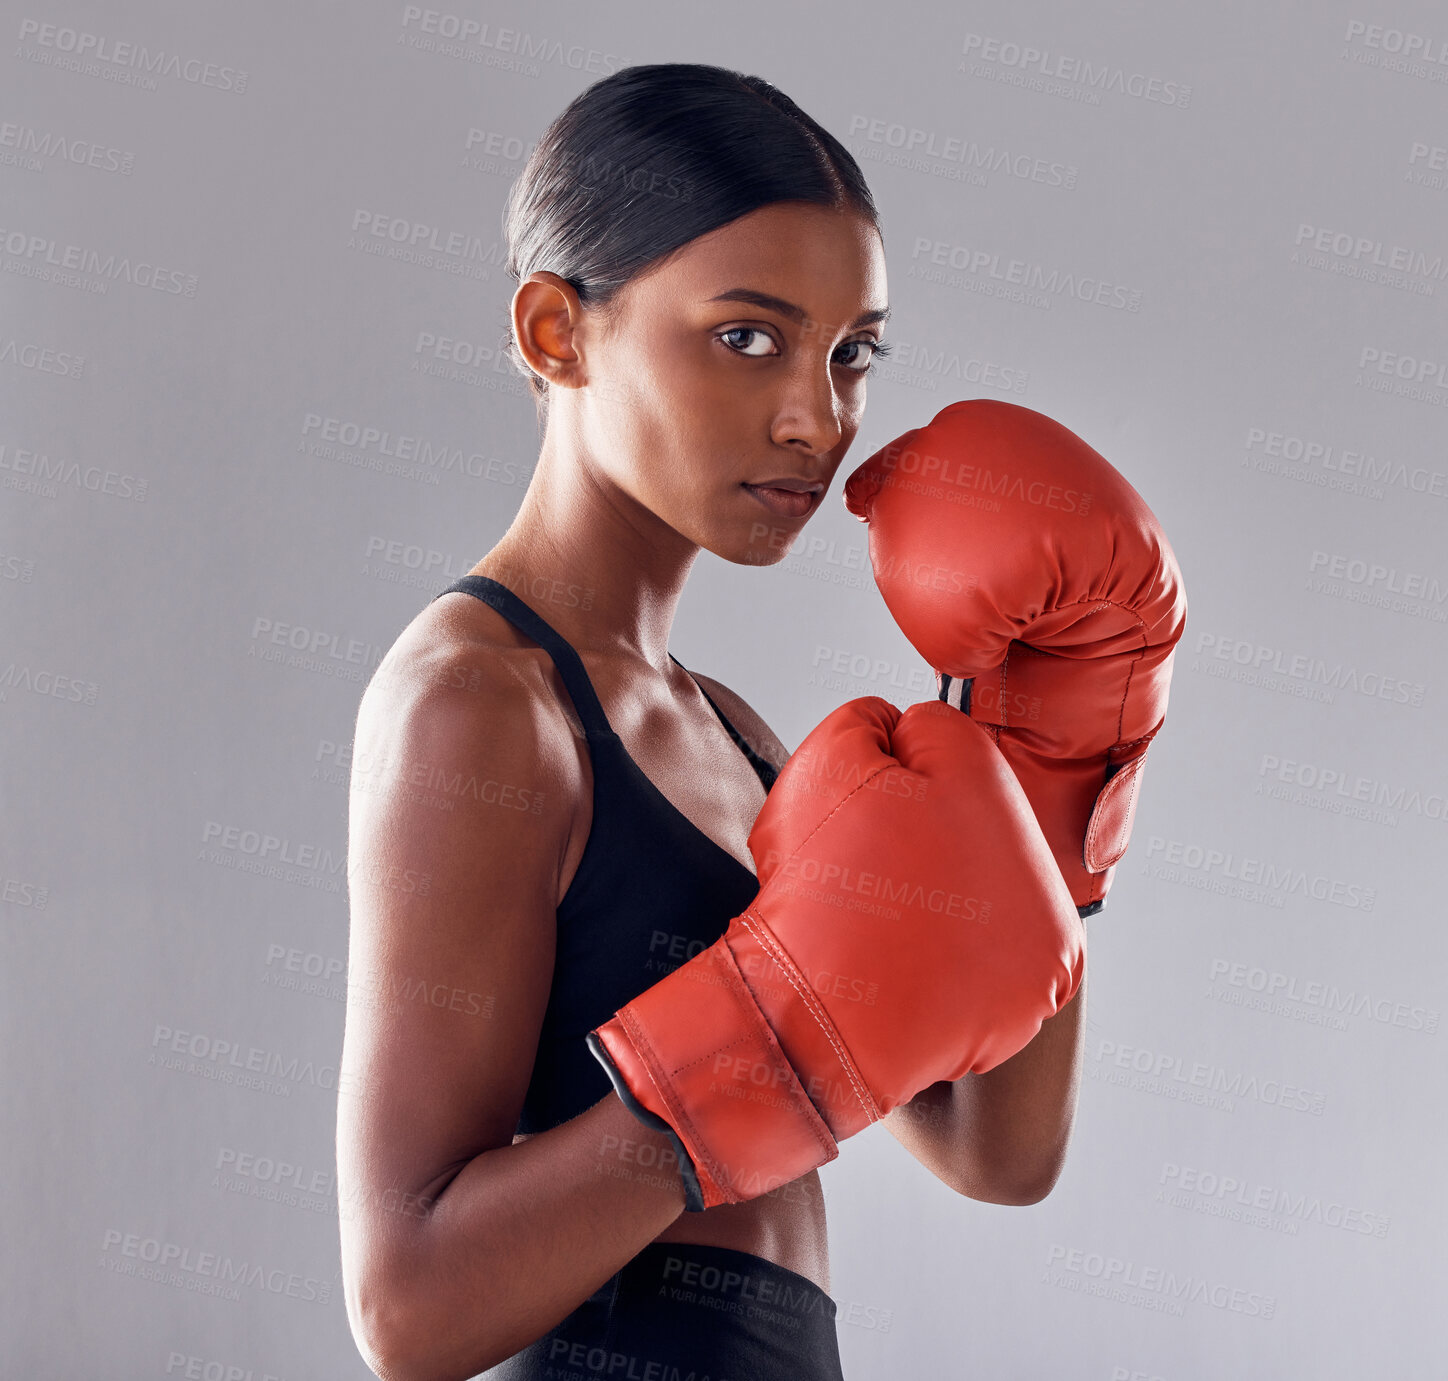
point(1035, 580)
point(910, 926)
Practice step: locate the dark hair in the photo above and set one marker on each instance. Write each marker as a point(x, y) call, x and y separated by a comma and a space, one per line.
point(654, 156)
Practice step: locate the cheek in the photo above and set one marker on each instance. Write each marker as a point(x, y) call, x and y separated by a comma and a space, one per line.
point(652, 392)
point(677, 430)
point(852, 411)
point(675, 414)
point(663, 449)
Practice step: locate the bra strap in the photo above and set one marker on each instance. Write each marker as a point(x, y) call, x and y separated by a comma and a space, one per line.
point(527, 621)
point(763, 768)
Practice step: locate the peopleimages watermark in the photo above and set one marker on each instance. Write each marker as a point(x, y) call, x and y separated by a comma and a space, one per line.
point(46, 682)
point(878, 894)
point(1170, 859)
point(1427, 165)
point(204, 1272)
point(244, 842)
point(1238, 1199)
point(134, 64)
point(1298, 673)
point(1343, 792)
point(275, 1180)
point(43, 359)
point(426, 241)
point(782, 1302)
point(460, 36)
point(1287, 994)
point(1208, 1085)
point(25, 143)
point(1395, 372)
point(1376, 585)
point(835, 668)
point(41, 256)
point(918, 366)
point(1331, 466)
point(367, 447)
point(191, 1367)
point(458, 360)
point(36, 472)
point(1158, 1288)
point(976, 268)
point(1372, 260)
point(963, 475)
point(230, 1062)
point(1396, 50)
point(23, 892)
point(318, 975)
point(1058, 74)
point(441, 785)
point(954, 155)
point(313, 649)
point(669, 949)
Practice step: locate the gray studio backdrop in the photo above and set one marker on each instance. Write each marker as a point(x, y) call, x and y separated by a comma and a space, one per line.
point(253, 419)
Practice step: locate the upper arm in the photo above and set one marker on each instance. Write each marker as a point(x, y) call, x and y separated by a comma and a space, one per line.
point(755, 732)
point(459, 816)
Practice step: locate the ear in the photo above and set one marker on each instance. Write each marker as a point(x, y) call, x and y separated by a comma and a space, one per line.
point(546, 315)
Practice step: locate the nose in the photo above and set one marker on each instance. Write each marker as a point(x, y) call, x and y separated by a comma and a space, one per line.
point(810, 414)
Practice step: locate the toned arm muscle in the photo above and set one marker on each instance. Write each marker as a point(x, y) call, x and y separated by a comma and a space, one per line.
point(459, 1247)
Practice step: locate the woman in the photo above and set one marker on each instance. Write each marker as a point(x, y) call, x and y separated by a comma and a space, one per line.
point(549, 813)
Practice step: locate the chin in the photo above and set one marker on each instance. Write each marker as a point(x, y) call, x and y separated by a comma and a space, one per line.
point(766, 541)
point(758, 555)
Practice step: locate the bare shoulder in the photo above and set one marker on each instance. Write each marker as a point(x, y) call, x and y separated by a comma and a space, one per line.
point(458, 626)
point(461, 716)
point(461, 650)
point(742, 715)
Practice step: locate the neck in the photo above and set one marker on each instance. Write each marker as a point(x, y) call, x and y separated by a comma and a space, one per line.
point(597, 565)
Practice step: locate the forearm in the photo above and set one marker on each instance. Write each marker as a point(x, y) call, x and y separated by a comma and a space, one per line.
point(1002, 1136)
point(519, 1238)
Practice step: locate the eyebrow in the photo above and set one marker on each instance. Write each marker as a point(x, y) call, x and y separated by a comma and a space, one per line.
point(788, 309)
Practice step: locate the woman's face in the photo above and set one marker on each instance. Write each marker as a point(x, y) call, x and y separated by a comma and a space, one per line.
point(739, 360)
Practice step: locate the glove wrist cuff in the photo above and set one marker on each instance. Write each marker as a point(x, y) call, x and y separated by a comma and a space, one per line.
point(702, 1059)
point(693, 1193)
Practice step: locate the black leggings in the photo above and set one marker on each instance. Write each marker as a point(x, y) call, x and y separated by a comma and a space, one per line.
point(681, 1311)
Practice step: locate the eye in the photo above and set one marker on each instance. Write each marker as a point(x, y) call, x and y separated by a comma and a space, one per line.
point(747, 331)
point(878, 348)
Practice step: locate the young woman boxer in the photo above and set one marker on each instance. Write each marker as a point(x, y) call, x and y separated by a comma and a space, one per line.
point(550, 815)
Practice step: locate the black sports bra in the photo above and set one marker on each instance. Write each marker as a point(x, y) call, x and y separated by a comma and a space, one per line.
point(651, 890)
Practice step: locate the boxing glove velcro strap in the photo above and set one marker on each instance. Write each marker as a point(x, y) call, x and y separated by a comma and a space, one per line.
point(1108, 832)
point(703, 1059)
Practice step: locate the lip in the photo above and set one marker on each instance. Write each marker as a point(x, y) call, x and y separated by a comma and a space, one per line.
point(791, 483)
point(786, 498)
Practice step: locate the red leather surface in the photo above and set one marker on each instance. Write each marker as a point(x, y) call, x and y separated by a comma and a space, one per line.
point(1013, 554)
point(910, 926)
point(695, 1051)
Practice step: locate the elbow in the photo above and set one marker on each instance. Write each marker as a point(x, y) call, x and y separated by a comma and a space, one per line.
point(378, 1329)
point(407, 1330)
point(388, 1333)
point(407, 1361)
point(400, 1363)
point(1010, 1190)
point(1006, 1196)
point(1022, 1197)
point(395, 1354)
point(399, 1343)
